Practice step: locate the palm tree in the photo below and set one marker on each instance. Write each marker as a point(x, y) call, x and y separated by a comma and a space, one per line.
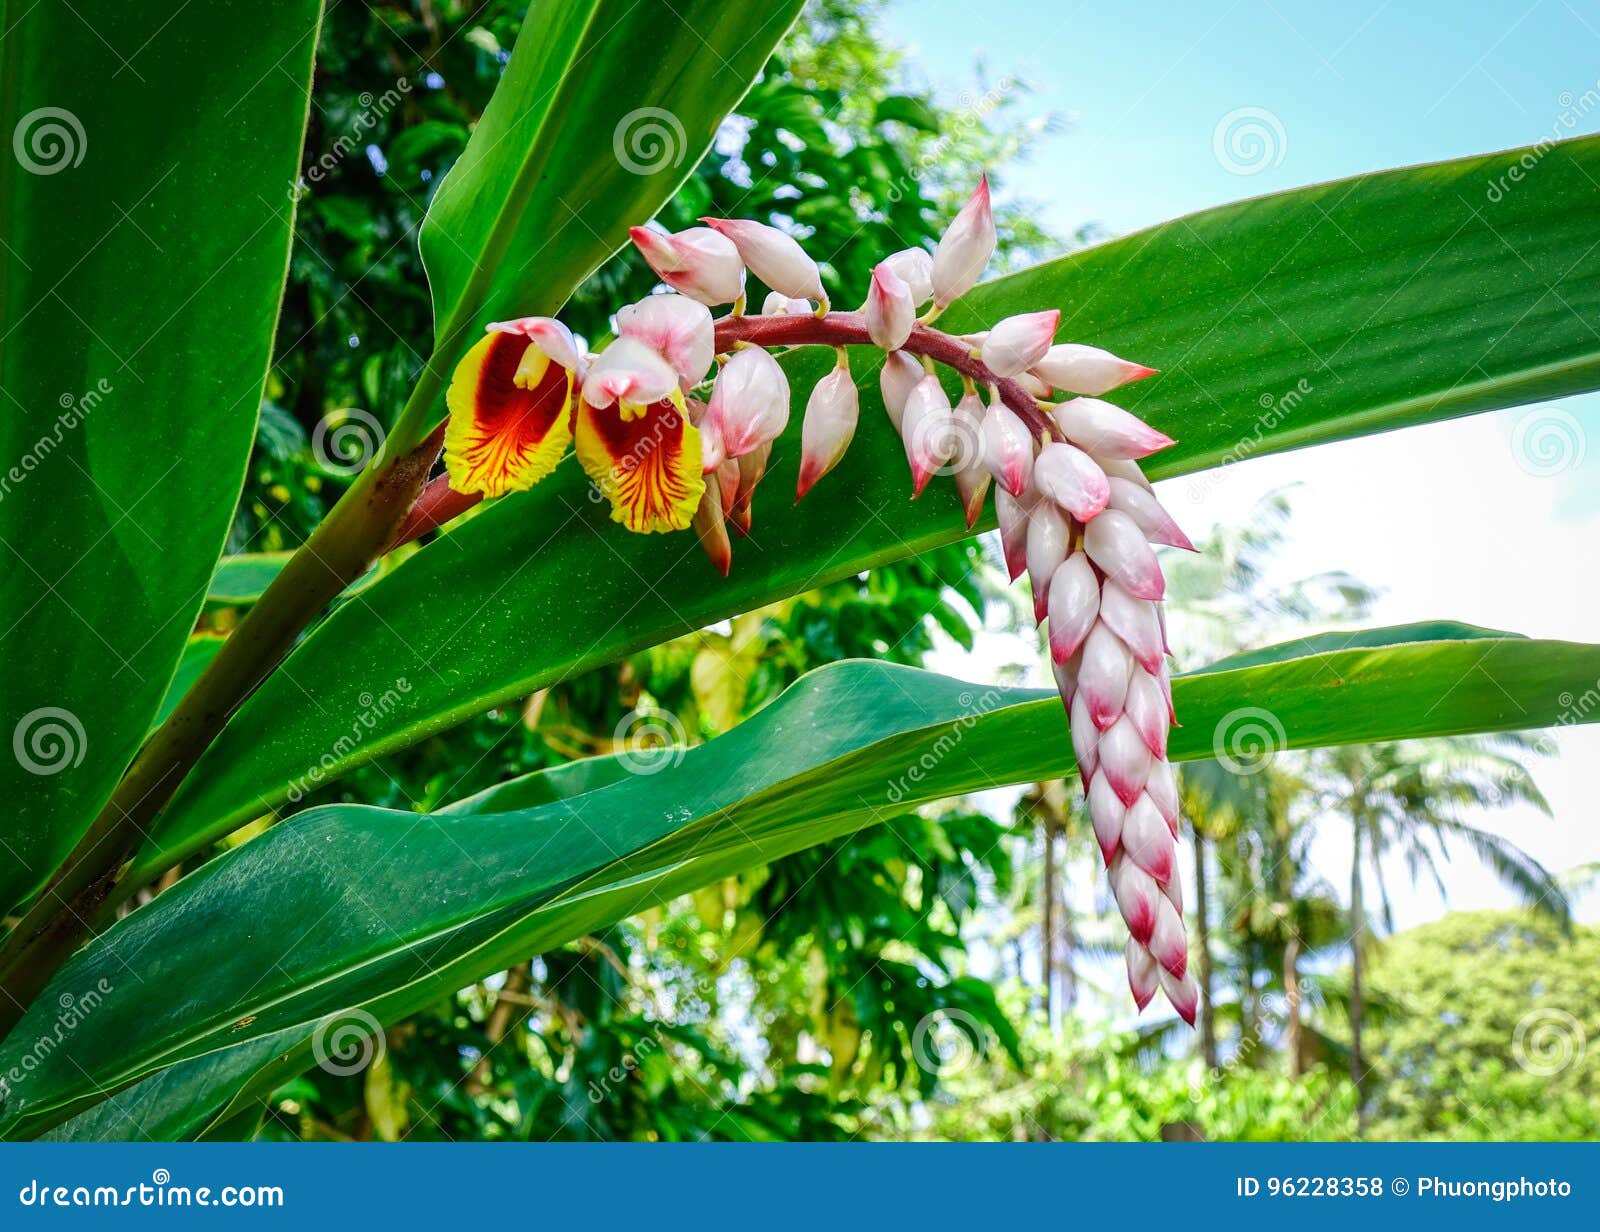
point(1409, 800)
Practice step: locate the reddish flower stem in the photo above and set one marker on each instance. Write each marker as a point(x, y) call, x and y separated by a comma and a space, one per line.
point(439, 503)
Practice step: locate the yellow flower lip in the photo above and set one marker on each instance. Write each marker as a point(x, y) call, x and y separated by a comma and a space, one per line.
point(645, 459)
point(510, 409)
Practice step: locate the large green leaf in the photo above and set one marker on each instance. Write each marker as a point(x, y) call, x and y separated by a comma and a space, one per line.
point(1397, 297)
point(146, 212)
point(605, 108)
point(352, 906)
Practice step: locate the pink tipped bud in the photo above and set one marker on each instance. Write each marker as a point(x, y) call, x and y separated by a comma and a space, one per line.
point(964, 249)
point(890, 311)
point(629, 371)
point(675, 327)
point(1124, 468)
point(1049, 534)
point(1167, 940)
point(775, 258)
point(1013, 518)
point(778, 305)
point(926, 429)
point(711, 529)
point(1007, 448)
point(1123, 759)
point(1183, 993)
point(914, 267)
point(1140, 504)
point(750, 401)
point(1117, 545)
point(1108, 815)
point(896, 380)
point(1108, 431)
point(1147, 710)
point(1103, 675)
point(829, 424)
point(1136, 623)
point(1137, 897)
point(972, 481)
point(1066, 675)
point(728, 484)
point(1173, 886)
point(1088, 370)
point(1162, 788)
point(698, 263)
point(752, 466)
point(1085, 739)
point(1142, 973)
point(1037, 388)
point(1070, 477)
point(1073, 604)
point(1018, 342)
point(1147, 840)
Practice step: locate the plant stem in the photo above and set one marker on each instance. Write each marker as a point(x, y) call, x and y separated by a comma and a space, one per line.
point(67, 911)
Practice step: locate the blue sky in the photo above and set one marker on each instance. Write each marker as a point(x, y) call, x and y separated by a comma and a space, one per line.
point(1333, 90)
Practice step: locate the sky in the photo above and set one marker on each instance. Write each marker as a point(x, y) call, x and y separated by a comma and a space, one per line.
point(1172, 107)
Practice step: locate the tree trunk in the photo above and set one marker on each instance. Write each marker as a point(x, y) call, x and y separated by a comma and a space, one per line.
point(1358, 1065)
point(1202, 939)
point(1291, 992)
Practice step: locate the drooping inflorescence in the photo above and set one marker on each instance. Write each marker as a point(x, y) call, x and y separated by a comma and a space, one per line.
point(1075, 511)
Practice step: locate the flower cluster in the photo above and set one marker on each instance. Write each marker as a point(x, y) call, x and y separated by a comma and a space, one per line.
point(1075, 511)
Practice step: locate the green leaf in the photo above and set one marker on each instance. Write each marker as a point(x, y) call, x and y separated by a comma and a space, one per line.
point(146, 207)
point(197, 655)
point(321, 913)
point(1399, 297)
point(909, 109)
point(605, 108)
point(240, 580)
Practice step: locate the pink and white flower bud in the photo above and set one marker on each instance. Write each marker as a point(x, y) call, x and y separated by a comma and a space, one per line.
point(972, 480)
point(779, 305)
point(1140, 504)
point(712, 452)
point(752, 466)
point(1137, 897)
point(1073, 605)
point(1035, 387)
point(1184, 995)
point(1070, 477)
point(1142, 973)
point(629, 371)
point(1007, 448)
point(711, 529)
point(698, 263)
point(749, 401)
point(964, 249)
point(1115, 543)
point(897, 378)
point(772, 256)
point(1012, 514)
point(1049, 537)
point(832, 412)
point(914, 267)
point(925, 428)
point(1135, 621)
point(1085, 740)
point(1168, 942)
point(678, 328)
point(1124, 468)
point(890, 312)
point(1087, 370)
point(554, 339)
point(1108, 814)
point(1162, 788)
point(728, 484)
point(1018, 342)
point(1147, 841)
point(1123, 759)
point(1108, 431)
point(1103, 676)
point(1146, 709)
